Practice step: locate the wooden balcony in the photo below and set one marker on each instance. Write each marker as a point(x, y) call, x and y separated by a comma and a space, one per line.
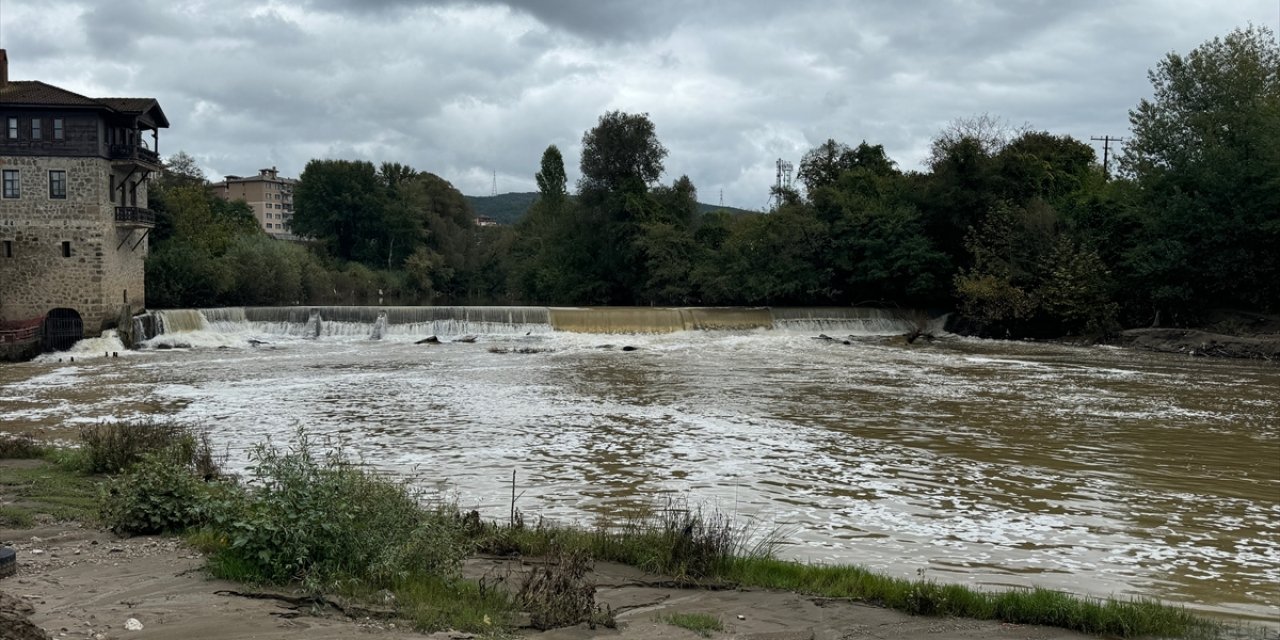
point(135, 217)
point(134, 153)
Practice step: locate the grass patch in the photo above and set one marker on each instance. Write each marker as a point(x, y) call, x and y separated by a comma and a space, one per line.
point(702, 624)
point(42, 490)
point(1111, 618)
point(687, 544)
point(696, 548)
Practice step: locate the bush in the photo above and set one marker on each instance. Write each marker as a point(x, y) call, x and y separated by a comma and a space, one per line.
point(321, 521)
point(20, 447)
point(160, 493)
point(113, 447)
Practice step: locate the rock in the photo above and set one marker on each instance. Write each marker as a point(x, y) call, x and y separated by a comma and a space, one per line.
point(630, 348)
point(132, 624)
point(14, 624)
point(429, 340)
point(466, 339)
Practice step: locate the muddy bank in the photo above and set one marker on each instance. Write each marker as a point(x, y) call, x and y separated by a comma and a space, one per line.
point(1195, 342)
point(77, 582)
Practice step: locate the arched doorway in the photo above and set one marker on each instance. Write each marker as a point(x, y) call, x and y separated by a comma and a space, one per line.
point(62, 328)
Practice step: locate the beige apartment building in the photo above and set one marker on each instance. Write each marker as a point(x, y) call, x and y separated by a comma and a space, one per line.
point(269, 195)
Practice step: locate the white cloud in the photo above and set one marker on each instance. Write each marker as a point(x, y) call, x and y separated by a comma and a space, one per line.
point(464, 89)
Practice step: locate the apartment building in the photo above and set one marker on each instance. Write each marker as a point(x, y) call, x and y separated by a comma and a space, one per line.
point(269, 195)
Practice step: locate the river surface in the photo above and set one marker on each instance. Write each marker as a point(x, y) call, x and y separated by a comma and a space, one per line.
point(1097, 471)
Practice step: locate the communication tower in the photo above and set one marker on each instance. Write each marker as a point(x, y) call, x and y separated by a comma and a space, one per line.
point(494, 190)
point(783, 183)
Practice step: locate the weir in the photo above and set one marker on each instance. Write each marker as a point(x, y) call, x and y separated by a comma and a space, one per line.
point(378, 322)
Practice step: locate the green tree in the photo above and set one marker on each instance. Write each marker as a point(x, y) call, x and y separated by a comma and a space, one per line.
point(621, 154)
point(342, 204)
point(621, 157)
point(1205, 154)
point(552, 183)
point(822, 165)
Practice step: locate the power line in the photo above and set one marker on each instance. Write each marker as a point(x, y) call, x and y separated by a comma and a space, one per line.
point(1106, 153)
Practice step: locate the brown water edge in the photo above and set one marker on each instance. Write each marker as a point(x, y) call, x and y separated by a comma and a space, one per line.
point(1123, 473)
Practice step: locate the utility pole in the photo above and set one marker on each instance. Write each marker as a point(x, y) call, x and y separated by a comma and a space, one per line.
point(1106, 153)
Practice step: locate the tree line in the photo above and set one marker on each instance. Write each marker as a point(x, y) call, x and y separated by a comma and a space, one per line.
point(1020, 230)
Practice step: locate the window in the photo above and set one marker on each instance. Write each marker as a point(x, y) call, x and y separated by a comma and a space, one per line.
point(35, 128)
point(8, 248)
point(11, 189)
point(269, 226)
point(58, 185)
point(66, 249)
point(57, 129)
point(13, 128)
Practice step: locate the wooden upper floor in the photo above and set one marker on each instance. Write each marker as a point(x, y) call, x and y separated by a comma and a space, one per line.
point(39, 119)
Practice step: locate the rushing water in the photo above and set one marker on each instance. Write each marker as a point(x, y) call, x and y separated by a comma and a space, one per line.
point(1094, 470)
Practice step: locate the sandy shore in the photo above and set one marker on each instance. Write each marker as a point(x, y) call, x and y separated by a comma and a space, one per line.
point(85, 583)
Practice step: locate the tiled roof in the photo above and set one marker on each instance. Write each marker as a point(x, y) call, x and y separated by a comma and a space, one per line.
point(34, 92)
point(39, 94)
point(128, 105)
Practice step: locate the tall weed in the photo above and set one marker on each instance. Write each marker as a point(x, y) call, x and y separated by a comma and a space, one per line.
point(113, 447)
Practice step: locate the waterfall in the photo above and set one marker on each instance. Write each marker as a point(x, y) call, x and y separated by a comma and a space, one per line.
point(658, 319)
point(314, 325)
point(379, 323)
point(379, 326)
point(179, 321)
point(861, 321)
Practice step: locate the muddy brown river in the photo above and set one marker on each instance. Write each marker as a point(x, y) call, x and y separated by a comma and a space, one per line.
point(1097, 471)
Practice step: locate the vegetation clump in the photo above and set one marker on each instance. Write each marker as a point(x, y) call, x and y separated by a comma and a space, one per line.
point(113, 447)
point(702, 624)
point(318, 520)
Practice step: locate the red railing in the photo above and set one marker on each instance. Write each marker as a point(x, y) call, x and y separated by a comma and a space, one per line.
point(21, 331)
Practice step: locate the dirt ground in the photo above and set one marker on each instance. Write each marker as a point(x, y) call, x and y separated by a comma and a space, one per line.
point(1224, 334)
point(84, 583)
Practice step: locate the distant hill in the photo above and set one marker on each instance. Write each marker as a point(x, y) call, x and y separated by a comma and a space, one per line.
point(505, 208)
point(508, 208)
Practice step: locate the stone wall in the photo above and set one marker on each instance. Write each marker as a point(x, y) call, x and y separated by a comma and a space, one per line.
point(103, 263)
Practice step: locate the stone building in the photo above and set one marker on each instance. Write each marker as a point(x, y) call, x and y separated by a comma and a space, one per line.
point(73, 210)
point(269, 195)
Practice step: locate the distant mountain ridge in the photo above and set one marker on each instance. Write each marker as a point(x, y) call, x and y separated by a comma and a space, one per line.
point(508, 208)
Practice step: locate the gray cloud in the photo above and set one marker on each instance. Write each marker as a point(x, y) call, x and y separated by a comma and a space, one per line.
point(466, 89)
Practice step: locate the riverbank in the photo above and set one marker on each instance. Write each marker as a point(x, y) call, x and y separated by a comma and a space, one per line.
point(628, 581)
point(87, 583)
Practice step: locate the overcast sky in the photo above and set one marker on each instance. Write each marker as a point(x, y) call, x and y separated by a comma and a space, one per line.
point(464, 89)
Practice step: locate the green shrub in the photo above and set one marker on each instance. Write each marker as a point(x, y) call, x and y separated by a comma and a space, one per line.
point(112, 447)
point(158, 494)
point(321, 521)
point(20, 447)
